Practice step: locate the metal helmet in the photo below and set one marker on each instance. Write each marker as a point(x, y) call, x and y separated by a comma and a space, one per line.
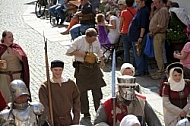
point(126, 85)
point(18, 88)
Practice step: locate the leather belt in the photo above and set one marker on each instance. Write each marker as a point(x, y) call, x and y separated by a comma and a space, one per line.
point(62, 119)
point(160, 32)
point(10, 73)
point(79, 62)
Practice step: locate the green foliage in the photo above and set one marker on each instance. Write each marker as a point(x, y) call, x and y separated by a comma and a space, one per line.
point(176, 29)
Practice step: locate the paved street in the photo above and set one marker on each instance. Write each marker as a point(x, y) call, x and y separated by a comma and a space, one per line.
point(18, 16)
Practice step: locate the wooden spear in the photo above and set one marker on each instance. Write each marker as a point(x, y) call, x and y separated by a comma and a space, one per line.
point(48, 83)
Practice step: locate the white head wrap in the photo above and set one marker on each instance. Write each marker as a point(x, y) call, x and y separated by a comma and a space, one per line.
point(176, 86)
point(122, 2)
point(127, 65)
point(129, 120)
point(181, 14)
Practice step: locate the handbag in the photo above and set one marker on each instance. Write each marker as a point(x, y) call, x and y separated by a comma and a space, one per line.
point(149, 48)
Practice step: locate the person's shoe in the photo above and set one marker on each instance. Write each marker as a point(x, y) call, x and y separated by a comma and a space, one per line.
point(64, 33)
point(85, 121)
point(57, 19)
point(146, 73)
point(61, 21)
point(139, 74)
point(157, 76)
point(53, 20)
point(153, 74)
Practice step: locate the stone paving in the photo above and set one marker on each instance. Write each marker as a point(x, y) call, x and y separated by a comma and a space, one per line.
point(19, 17)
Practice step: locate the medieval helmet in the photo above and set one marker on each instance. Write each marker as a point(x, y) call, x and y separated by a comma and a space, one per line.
point(126, 86)
point(18, 88)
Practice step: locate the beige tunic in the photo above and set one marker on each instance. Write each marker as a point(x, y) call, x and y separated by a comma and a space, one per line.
point(160, 19)
point(171, 112)
point(13, 64)
point(65, 98)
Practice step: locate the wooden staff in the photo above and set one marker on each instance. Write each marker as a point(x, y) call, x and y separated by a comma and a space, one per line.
point(48, 82)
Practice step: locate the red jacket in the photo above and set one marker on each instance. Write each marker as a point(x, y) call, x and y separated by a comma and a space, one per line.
point(3, 103)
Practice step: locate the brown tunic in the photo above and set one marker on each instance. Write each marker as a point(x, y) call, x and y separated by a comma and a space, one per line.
point(65, 98)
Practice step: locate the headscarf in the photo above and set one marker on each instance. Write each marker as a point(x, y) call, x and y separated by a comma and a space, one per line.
point(176, 86)
point(127, 65)
point(129, 120)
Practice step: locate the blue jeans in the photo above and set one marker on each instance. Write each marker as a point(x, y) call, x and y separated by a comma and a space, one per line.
point(126, 47)
point(56, 11)
point(141, 62)
point(79, 29)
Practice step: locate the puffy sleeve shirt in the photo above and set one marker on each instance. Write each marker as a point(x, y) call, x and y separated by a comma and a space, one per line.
point(80, 44)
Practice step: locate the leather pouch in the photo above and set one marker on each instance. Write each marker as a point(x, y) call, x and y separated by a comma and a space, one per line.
point(4, 64)
point(75, 64)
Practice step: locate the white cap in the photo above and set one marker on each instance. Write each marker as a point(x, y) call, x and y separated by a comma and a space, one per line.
point(127, 65)
point(129, 120)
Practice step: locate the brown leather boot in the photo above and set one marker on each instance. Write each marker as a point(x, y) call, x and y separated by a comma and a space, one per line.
point(65, 32)
point(73, 21)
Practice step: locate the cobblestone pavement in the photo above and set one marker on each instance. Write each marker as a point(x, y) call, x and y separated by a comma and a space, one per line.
point(18, 16)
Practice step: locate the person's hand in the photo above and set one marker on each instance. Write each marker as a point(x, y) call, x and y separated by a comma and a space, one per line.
point(139, 41)
point(176, 54)
point(83, 54)
point(151, 34)
point(102, 64)
point(183, 114)
point(102, 24)
point(152, 6)
point(16, 53)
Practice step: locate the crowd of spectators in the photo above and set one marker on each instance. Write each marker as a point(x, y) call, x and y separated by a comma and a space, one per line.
point(128, 21)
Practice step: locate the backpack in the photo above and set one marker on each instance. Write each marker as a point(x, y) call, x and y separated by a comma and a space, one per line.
point(162, 83)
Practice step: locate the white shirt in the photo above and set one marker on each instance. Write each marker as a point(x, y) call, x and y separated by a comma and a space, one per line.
point(80, 44)
point(113, 34)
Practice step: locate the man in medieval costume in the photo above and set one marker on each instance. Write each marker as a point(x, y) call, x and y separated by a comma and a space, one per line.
point(128, 101)
point(86, 50)
point(65, 97)
point(22, 112)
